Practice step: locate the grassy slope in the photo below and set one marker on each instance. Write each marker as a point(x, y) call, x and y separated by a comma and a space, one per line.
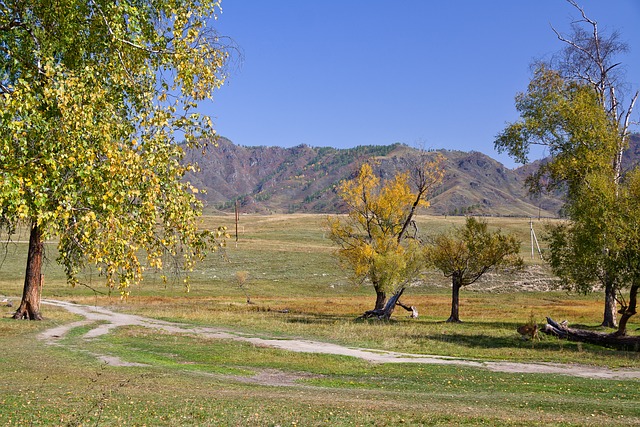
point(194, 381)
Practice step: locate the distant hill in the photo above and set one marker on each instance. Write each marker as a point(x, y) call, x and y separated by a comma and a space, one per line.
point(631, 157)
point(303, 179)
point(477, 184)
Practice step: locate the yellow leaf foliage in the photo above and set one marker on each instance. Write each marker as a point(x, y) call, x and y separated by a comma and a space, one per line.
point(88, 145)
point(372, 237)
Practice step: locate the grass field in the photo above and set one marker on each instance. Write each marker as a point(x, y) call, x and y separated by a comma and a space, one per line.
point(299, 291)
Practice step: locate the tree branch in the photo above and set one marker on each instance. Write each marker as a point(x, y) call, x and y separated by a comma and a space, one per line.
point(5, 89)
point(111, 32)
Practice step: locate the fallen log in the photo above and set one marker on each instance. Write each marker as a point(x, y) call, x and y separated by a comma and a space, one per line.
point(610, 340)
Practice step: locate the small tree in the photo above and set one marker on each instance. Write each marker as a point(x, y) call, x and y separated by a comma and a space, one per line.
point(373, 236)
point(241, 280)
point(468, 252)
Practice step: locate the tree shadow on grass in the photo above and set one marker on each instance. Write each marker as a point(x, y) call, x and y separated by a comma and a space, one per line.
point(315, 319)
point(463, 334)
point(466, 337)
point(484, 325)
point(483, 341)
point(546, 342)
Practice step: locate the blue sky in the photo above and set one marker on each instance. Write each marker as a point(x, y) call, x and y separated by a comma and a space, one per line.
point(438, 74)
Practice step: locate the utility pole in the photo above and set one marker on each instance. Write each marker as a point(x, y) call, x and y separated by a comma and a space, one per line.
point(237, 218)
point(534, 239)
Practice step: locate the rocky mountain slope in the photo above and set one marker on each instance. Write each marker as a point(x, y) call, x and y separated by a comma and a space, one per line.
point(303, 179)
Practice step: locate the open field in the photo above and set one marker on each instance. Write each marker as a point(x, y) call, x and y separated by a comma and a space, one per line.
point(299, 291)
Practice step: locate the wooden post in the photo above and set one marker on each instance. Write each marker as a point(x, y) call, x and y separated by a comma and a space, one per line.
point(237, 218)
point(41, 286)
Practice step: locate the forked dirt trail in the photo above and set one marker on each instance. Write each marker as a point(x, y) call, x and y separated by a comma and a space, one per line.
point(105, 320)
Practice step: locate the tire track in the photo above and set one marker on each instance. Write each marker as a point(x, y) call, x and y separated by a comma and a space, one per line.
point(106, 320)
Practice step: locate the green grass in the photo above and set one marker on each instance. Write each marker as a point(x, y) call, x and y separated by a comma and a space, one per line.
point(489, 330)
point(193, 380)
point(196, 381)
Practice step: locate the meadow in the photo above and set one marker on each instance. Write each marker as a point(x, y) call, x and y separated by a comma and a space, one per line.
point(298, 290)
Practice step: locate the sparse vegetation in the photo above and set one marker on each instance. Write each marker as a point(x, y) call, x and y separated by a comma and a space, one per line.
point(192, 380)
point(105, 86)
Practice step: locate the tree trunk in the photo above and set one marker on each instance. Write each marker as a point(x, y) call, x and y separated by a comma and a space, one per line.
point(610, 320)
point(628, 311)
point(30, 304)
point(455, 300)
point(381, 298)
point(386, 311)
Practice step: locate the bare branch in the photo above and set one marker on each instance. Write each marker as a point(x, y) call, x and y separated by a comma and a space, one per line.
point(584, 15)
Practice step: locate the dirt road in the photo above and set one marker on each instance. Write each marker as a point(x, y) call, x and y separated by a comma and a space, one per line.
point(104, 320)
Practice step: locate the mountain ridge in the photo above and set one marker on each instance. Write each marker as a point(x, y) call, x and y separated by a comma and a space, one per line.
point(303, 179)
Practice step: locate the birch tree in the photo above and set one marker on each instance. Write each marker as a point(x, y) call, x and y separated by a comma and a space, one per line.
point(95, 96)
point(579, 108)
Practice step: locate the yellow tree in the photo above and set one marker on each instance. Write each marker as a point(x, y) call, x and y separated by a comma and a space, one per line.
point(373, 236)
point(95, 96)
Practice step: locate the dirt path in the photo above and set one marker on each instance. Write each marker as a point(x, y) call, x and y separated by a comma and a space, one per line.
point(105, 320)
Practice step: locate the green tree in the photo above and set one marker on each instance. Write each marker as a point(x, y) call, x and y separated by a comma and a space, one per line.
point(373, 235)
point(468, 252)
point(609, 220)
point(94, 96)
point(628, 245)
point(584, 251)
point(573, 107)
